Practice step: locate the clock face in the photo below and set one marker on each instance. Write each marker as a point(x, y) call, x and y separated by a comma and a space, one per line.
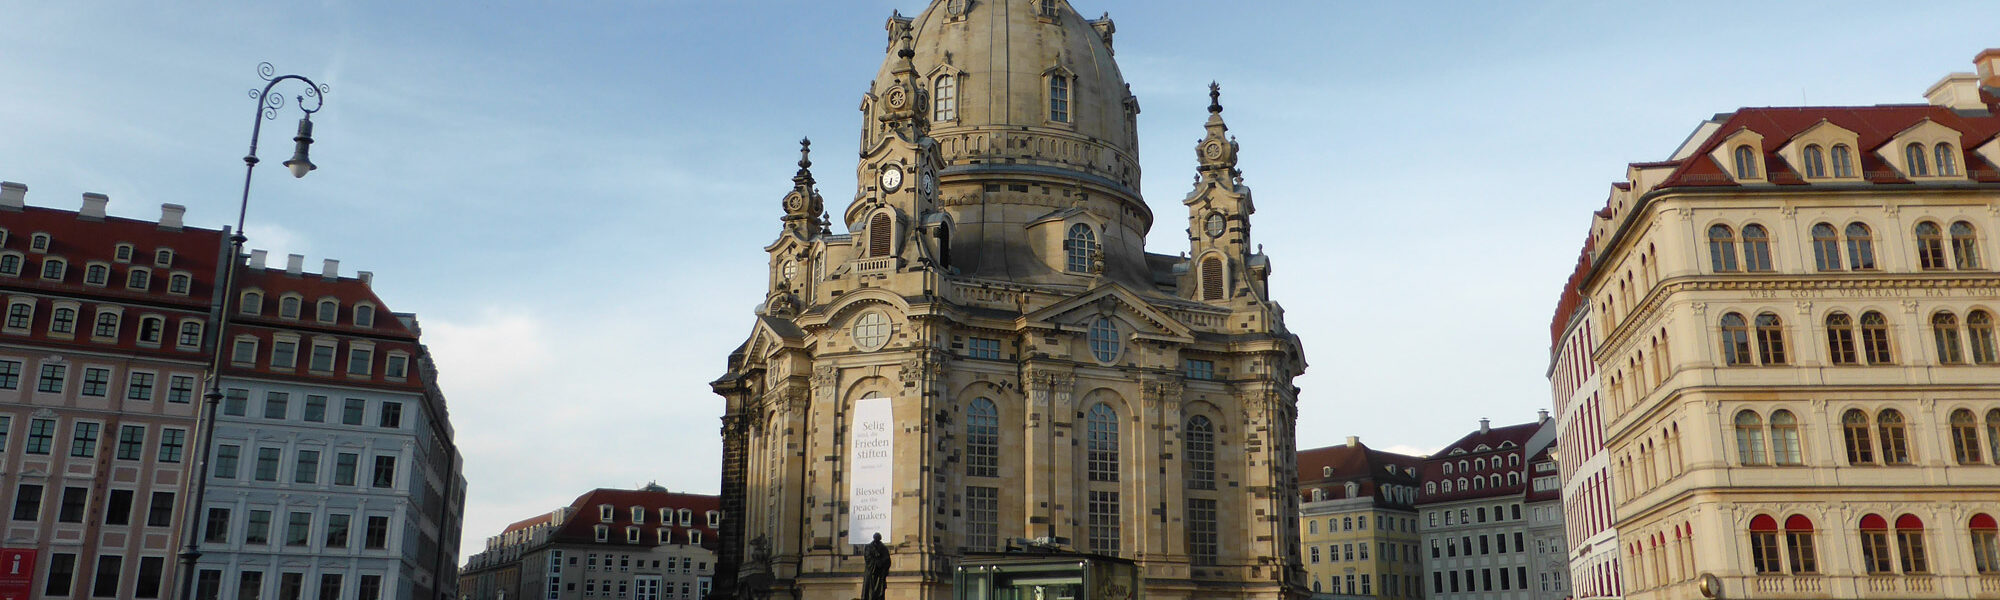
point(1214, 225)
point(1213, 150)
point(892, 178)
point(794, 202)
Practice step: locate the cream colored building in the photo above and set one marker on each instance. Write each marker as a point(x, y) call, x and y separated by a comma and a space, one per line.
point(1796, 348)
point(991, 353)
point(1359, 523)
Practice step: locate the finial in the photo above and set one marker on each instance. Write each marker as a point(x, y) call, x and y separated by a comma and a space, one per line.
point(906, 53)
point(1214, 98)
point(805, 153)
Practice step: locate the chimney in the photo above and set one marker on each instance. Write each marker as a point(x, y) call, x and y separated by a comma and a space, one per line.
point(93, 206)
point(170, 216)
point(13, 196)
point(331, 270)
point(1485, 425)
point(1957, 91)
point(1542, 416)
point(367, 278)
point(257, 258)
point(295, 264)
point(1353, 440)
point(1988, 64)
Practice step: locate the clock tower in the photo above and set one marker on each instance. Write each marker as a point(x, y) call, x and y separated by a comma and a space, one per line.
point(989, 353)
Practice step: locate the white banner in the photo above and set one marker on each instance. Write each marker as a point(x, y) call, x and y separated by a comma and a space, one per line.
point(871, 470)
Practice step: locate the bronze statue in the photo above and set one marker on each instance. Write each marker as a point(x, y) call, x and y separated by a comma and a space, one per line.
point(875, 582)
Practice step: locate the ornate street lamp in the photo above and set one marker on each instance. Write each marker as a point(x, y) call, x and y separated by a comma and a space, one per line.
point(309, 101)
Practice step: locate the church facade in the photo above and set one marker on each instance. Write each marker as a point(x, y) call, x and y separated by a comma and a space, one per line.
point(990, 355)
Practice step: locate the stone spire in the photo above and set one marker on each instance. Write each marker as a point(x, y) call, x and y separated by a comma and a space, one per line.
point(1217, 150)
point(803, 203)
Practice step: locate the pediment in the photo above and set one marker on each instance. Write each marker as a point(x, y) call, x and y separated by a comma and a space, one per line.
point(770, 334)
point(1110, 297)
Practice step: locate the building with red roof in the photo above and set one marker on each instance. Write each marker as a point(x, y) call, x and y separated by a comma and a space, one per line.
point(1793, 323)
point(650, 543)
point(1358, 521)
point(1490, 514)
point(1584, 467)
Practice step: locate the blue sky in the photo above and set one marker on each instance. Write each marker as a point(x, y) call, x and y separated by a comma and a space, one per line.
point(573, 197)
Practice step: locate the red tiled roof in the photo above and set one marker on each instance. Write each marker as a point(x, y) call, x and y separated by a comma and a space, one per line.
point(1873, 125)
point(1368, 467)
point(581, 526)
point(1572, 297)
point(541, 519)
point(81, 242)
point(1514, 438)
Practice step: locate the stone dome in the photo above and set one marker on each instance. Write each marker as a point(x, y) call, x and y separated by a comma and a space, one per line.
point(1002, 57)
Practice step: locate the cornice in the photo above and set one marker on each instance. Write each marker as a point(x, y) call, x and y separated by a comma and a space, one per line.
point(1656, 297)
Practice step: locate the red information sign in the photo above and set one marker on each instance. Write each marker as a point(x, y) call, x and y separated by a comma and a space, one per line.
point(17, 573)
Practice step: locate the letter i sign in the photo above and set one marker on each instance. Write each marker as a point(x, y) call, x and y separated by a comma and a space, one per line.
point(17, 572)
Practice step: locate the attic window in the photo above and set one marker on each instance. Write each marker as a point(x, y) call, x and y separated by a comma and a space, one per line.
point(1913, 160)
point(163, 258)
point(1815, 162)
point(39, 243)
point(604, 513)
point(945, 104)
point(1081, 248)
point(1326, 471)
point(1058, 98)
point(1746, 162)
point(329, 311)
point(1211, 279)
point(1843, 161)
point(123, 254)
point(364, 315)
point(1947, 164)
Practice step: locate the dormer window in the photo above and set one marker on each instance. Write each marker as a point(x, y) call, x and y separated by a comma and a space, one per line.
point(1947, 160)
point(364, 315)
point(1080, 246)
point(107, 324)
point(288, 307)
point(1815, 162)
point(151, 329)
point(53, 268)
point(944, 104)
point(396, 367)
point(10, 264)
point(1326, 471)
point(1843, 161)
point(179, 283)
point(123, 253)
point(638, 514)
point(1048, 8)
point(604, 513)
point(1212, 279)
point(329, 311)
point(252, 303)
point(39, 243)
point(164, 257)
point(1058, 98)
point(1913, 160)
point(139, 279)
point(687, 517)
point(96, 274)
point(1746, 162)
point(881, 232)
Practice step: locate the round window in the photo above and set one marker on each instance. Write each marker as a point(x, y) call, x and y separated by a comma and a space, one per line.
point(1104, 340)
point(871, 331)
point(790, 270)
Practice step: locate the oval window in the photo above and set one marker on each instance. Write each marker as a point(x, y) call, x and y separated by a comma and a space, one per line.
point(1104, 340)
point(871, 331)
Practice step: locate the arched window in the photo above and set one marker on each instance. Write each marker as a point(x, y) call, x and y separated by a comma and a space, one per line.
point(329, 311)
point(1722, 249)
point(364, 315)
point(96, 274)
point(179, 283)
point(53, 268)
point(1514, 460)
point(1493, 480)
point(1431, 487)
point(1964, 245)
point(1799, 544)
point(62, 320)
point(1947, 160)
point(1764, 544)
point(1770, 339)
point(1840, 339)
point(1479, 483)
point(1826, 247)
point(881, 235)
point(1101, 427)
point(1913, 157)
point(1965, 437)
point(288, 307)
point(1875, 545)
point(20, 315)
point(1464, 465)
point(1785, 438)
point(1447, 468)
point(945, 98)
point(1750, 439)
point(1200, 441)
point(1479, 464)
point(1930, 246)
point(982, 439)
point(1081, 247)
point(1746, 162)
point(1514, 478)
point(1756, 248)
point(1985, 544)
point(1860, 450)
point(253, 303)
point(1212, 281)
point(1347, 523)
point(1875, 339)
point(1058, 99)
point(1979, 324)
point(1895, 440)
point(139, 279)
point(1312, 526)
point(107, 324)
point(1993, 434)
point(1944, 329)
point(1735, 340)
point(1860, 247)
point(1103, 337)
point(1815, 162)
point(1910, 544)
point(1843, 161)
point(152, 329)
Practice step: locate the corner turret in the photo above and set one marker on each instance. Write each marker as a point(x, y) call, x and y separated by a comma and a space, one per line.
point(1222, 266)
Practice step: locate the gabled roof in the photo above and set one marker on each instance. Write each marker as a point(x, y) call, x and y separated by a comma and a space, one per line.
point(1873, 125)
point(582, 523)
point(1115, 293)
point(1498, 442)
point(1367, 467)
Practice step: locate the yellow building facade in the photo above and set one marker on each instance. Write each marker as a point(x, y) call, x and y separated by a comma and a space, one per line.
point(1793, 323)
point(1358, 523)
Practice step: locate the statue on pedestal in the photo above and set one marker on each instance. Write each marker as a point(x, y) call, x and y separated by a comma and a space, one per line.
point(875, 581)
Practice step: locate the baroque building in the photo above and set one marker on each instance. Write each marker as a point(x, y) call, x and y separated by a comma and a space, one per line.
point(990, 353)
point(1584, 467)
point(1792, 319)
point(1491, 515)
point(643, 544)
point(1358, 518)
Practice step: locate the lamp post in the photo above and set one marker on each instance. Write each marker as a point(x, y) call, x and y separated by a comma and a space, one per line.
point(299, 165)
